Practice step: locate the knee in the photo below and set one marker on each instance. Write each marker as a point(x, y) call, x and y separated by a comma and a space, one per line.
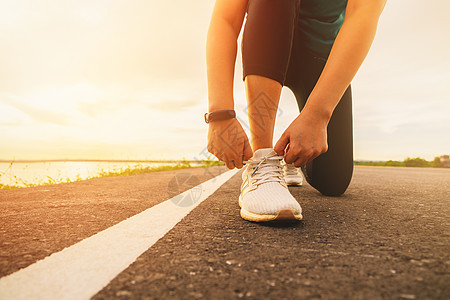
point(333, 190)
point(329, 184)
point(330, 188)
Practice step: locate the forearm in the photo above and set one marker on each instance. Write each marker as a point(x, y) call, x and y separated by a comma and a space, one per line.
point(349, 51)
point(221, 49)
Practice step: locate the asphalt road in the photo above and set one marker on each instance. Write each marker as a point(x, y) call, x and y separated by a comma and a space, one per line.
point(386, 238)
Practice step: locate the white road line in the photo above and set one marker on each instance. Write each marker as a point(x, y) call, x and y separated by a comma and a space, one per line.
point(82, 270)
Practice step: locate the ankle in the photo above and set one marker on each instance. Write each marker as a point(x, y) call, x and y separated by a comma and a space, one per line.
point(257, 146)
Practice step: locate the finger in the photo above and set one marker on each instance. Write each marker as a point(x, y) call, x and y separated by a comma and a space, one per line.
point(290, 157)
point(229, 164)
point(281, 144)
point(299, 162)
point(286, 151)
point(238, 165)
point(238, 159)
point(238, 162)
point(237, 156)
point(248, 153)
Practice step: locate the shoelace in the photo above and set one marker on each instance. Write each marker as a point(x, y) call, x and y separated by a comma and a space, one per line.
point(290, 169)
point(268, 169)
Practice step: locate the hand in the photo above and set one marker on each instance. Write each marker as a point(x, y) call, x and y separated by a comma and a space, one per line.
point(305, 139)
point(229, 143)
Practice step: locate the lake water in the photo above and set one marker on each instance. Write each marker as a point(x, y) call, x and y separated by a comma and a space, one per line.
point(21, 174)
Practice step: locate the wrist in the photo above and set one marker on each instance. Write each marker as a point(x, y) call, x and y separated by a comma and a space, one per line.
point(219, 108)
point(220, 105)
point(318, 113)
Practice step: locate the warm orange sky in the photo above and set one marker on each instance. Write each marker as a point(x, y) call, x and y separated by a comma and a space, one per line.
point(126, 80)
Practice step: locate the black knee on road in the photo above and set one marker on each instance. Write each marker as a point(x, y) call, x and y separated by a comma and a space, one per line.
point(327, 182)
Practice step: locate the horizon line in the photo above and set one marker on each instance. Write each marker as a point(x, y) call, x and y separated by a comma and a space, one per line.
point(103, 160)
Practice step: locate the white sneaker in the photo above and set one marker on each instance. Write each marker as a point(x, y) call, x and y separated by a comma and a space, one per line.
point(264, 193)
point(292, 175)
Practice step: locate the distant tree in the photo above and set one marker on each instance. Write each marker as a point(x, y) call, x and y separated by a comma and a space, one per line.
point(416, 162)
point(436, 163)
point(394, 163)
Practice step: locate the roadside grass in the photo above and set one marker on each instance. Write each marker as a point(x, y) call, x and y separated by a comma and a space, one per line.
point(416, 162)
point(128, 171)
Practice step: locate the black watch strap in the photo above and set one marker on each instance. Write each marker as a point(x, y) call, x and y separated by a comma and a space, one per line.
point(220, 115)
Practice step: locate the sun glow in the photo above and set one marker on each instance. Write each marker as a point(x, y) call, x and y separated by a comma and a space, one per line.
point(115, 79)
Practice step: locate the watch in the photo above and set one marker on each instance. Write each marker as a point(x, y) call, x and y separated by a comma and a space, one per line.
point(220, 115)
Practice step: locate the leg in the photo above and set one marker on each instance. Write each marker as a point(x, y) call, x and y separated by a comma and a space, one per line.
point(266, 50)
point(263, 95)
point(331, 172)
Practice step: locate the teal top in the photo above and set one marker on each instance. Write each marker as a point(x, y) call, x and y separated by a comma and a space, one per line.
point(319, 24)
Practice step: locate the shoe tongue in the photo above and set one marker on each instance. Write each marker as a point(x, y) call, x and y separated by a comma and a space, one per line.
point(260, 153)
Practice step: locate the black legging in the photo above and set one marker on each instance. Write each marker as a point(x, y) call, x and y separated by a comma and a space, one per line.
point(271, 47)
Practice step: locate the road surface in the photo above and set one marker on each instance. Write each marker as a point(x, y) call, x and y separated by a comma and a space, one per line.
point(386, 238)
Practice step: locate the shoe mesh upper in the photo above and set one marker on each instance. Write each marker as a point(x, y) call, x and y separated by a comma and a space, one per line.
point(264, 190)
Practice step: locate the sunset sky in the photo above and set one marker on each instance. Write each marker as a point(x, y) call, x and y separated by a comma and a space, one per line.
point(123, 79)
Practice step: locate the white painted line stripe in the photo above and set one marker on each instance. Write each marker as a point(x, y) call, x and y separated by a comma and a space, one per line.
point(82, 270)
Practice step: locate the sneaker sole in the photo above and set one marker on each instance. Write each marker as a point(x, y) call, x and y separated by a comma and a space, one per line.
point(282, 215)
point(293, 182)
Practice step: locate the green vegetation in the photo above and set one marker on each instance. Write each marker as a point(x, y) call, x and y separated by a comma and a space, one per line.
point(133, 170)
point(416, 162)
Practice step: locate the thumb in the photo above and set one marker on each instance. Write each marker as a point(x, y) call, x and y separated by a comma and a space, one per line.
point(248, 153)
point(280, 146)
